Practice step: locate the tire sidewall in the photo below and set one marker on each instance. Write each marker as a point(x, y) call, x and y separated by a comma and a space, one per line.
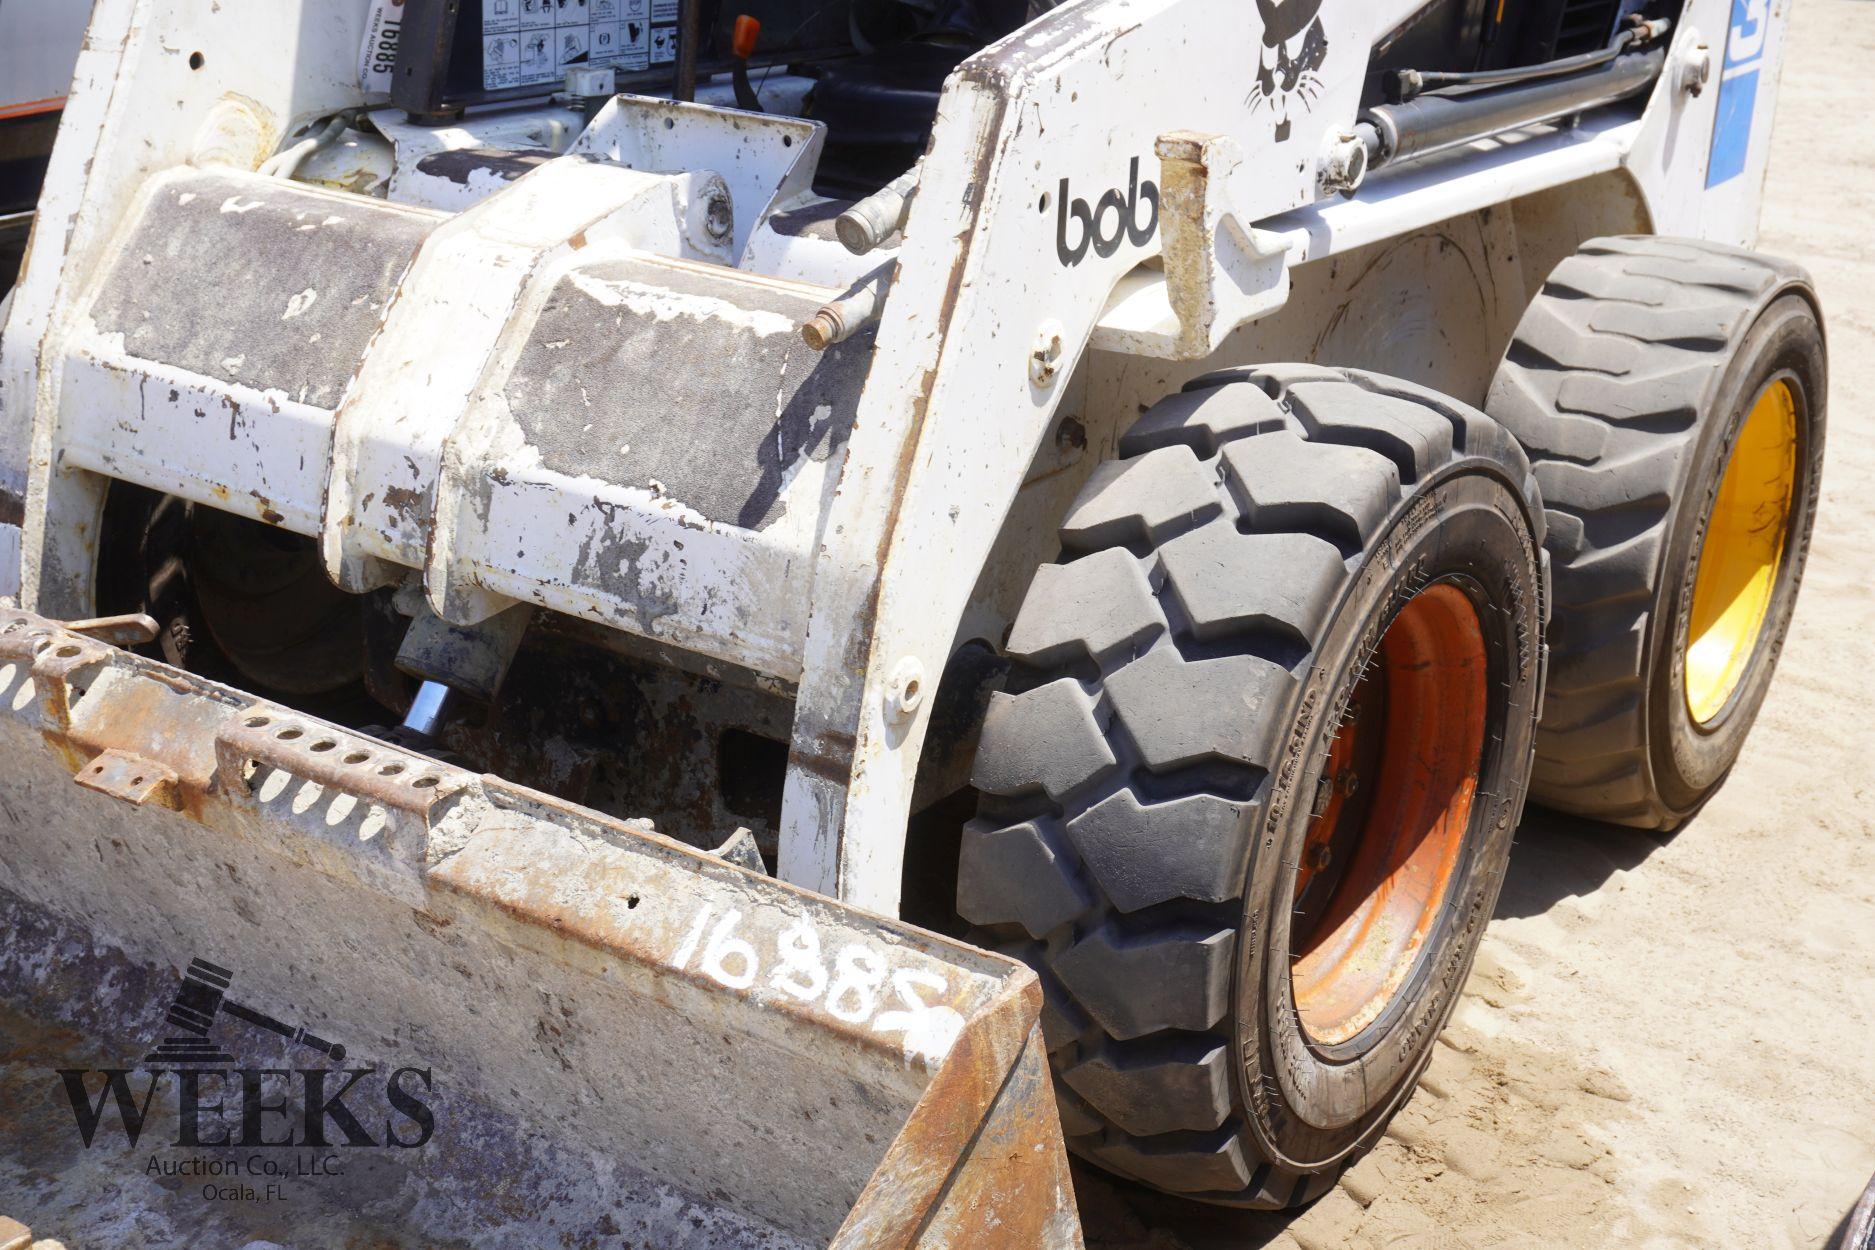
point(1689, 761)
point(1306, 1107)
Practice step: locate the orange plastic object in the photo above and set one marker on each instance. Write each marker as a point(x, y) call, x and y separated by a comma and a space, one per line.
point(747, 31)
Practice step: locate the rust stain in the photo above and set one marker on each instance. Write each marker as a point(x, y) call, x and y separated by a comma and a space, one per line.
point(267, 511)
point(131, 629)
point(829, 766)
point(980, 1160)
point(405, 502)
point(1184, 182)
point(189, 740)
point(132, 778)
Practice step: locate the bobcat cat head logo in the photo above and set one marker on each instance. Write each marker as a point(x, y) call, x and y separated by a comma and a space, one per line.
point(1290, 60)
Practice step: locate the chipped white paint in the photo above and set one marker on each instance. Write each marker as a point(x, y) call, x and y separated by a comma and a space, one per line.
point(227, 446)
point(437, 340)
point(298, 305)
point(133, 109)
point(664, 305)
point(765, 160)
point(543, 129)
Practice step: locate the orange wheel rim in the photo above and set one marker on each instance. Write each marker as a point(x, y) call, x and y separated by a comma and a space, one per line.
point(1390, 816)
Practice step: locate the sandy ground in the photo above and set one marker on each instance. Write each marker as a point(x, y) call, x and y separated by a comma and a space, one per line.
point(1672, 1042)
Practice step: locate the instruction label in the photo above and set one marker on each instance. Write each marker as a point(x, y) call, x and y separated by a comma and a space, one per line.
point(529, 43)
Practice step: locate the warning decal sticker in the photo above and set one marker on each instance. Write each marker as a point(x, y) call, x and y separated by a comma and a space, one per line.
point(529, 43)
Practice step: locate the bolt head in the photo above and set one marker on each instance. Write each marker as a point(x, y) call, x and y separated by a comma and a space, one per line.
point(1046, 353)
point(1344, 164)
point(1696, 70)
point(718, 218)
point(905, 692)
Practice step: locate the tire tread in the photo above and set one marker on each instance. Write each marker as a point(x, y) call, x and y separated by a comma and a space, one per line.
point(1285, 471)
point(1603, 384)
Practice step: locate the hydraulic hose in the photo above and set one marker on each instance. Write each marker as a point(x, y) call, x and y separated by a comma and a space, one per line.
point(286, 163)
point(1407, 84)
point(1394, 133)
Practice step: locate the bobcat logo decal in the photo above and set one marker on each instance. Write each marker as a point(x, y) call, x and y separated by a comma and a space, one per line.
point(1290, 60)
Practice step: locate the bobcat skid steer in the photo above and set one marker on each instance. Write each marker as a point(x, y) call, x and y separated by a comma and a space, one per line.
point(746, 622)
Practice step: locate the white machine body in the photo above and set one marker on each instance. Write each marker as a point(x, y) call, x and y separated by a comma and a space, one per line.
point(570, 374)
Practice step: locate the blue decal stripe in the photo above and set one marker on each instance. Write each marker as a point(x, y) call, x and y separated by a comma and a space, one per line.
point(1738, 91)
point(1731, 129)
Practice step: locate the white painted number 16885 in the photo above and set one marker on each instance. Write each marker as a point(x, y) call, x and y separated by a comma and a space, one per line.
point(853, 988)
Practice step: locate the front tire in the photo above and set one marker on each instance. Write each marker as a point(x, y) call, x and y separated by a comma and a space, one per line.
point(1248, 799)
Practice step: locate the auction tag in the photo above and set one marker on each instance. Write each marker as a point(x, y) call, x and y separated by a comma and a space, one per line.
point(377, 60)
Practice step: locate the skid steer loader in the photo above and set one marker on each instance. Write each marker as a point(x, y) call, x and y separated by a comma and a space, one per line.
point(690, 622)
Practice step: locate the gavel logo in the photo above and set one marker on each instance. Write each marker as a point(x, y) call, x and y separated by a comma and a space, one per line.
point(202, 996)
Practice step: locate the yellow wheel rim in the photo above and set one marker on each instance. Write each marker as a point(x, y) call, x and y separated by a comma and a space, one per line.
point(1743, 548)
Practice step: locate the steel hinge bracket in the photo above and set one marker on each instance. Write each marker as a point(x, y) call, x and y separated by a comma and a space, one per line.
point(132, 778)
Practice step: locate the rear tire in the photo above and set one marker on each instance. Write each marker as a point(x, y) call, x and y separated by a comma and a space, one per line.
point(1642, 370)
point(248, 604)
point(1186, 726)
